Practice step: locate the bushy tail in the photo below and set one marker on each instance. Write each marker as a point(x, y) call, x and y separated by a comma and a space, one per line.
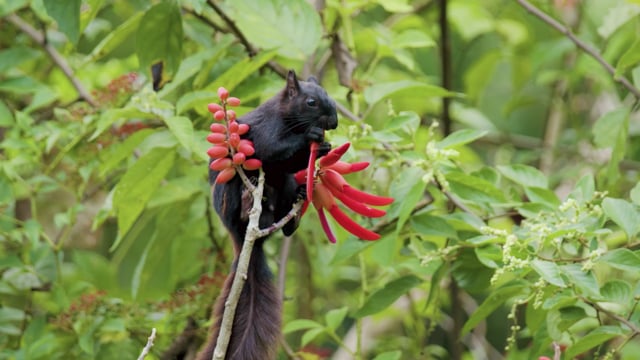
point(256, 326)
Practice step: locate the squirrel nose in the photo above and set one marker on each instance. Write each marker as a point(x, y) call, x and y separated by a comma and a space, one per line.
point(330, 121)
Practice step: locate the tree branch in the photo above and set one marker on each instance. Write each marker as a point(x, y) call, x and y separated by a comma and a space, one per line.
point(580, 44)
point(252, 234)
point(147, 348)
point(445, 60)
point(53, 54)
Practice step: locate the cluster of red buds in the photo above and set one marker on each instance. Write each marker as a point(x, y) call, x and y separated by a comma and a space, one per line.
point(229, 151)
point(325, 183)
point(118, 89)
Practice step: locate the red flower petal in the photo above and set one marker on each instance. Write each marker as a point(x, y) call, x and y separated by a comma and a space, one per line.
point(352, 226)
point(334, 155)
point(311, 167)
point(365, 197)
point(347, 168)
point(220, 164)
point(325, 226)
point(305, 206)
point(301, 177)
point(333, 178)
point(322, 197)
point(355, 206)
point(225, 175)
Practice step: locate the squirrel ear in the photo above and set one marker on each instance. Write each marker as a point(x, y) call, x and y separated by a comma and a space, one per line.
point(293, 87)
point(312, 79)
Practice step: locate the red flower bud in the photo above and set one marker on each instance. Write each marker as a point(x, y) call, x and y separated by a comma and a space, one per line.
point(234, 140)
point(243, 129)
point(219, 115)
point(213, 108)
point(220, 164)
point(252, 164)
point(233, 101)
point(216, 138)
point(218, 128)
point(223, 93)
point(239, 158)
point(233, 126)
point(225, 175)
point(218, 151)
point(246, 146)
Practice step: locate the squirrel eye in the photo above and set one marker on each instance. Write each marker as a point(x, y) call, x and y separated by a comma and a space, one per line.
point(311, 102)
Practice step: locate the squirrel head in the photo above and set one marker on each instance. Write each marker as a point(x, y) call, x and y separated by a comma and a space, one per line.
point(305, 104)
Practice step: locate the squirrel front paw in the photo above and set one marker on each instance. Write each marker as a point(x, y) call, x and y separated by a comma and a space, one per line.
point(323, 149)
point(315, 134)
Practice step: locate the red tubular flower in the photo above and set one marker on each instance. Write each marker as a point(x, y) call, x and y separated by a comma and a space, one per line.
point(327, 184)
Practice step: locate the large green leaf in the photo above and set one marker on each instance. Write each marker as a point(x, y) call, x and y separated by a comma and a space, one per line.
point(379, 91)
point(524, 175)
point(116, 37)
point(291, 27)
point(384, 297)
point(138, 184)
point(549, 272)
point(67, 15)
point(623, 259)
point(240, 71)
point(182, 128)
point(491, 303)
point(593, 339)
point(159, 38)
point(624, 214)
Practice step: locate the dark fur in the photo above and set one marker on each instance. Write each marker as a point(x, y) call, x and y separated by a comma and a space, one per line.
point(281, 130)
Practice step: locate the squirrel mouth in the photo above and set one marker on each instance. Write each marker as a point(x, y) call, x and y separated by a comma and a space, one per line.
point(329, 122)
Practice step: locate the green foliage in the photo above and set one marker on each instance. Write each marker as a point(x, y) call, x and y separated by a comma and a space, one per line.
point(516, 218)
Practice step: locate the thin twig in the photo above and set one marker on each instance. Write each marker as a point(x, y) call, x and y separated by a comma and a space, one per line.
point(149, 345)
point(295, 209)
point(232, 26)
point(55, 56)
point(274, 66)
point(252, 234)
point(579, 43)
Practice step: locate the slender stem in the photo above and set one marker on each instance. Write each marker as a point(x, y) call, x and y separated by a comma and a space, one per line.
point(55, 56)
point(295, 209)
point(149, 345)
point(232, 26)
point(580, 44)
point(252, 234)
point(445, 63)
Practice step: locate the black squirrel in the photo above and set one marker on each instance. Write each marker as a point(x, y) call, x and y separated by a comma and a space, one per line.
point(281, 129)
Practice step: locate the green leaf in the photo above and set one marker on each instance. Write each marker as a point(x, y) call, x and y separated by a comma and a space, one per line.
point(335, 317)
point(240, 71)
point(617, 292)
point(300, 324)
point(67, 14)
point(634, 194)
point(617, 16)
point(6, 117)
point(585, 282)
point(382, 298)
point(410, 188)
point(427, 224)
point(379, 91)
point(394, 6)
point(461, 137)
point(310, 335)
point(123, 151)
point(607, 128)
point(292, 27)
point(524, 175)
point(16, 56)
point(549, 272)
point(593, 339)
point(491, 303)
point(623, 259)
point(137, 185)
point(159, 38)
point(474, 189)
point(195, 99)
point(114, 38)
point(629, 59)
point(559, 320)
point(624, 214)
point(389, 355)
point(412, 38)
point(9, 6)
point(182, 128)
